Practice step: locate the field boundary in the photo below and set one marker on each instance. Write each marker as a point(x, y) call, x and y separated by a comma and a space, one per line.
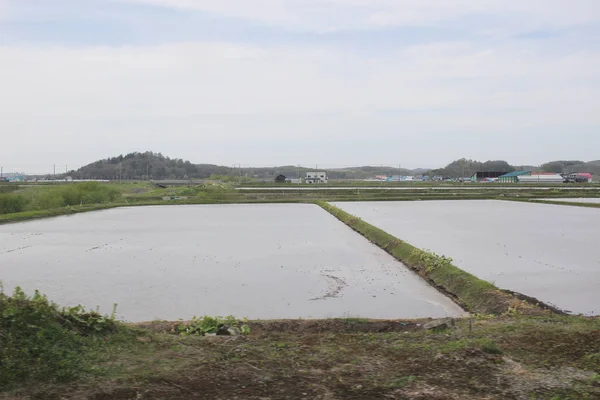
point(557, 203)
point(55, 212)
point(71, 210)
point(473, 294)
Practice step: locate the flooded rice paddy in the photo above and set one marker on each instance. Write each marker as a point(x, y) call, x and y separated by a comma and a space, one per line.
point(551, 252)
point(254, 261)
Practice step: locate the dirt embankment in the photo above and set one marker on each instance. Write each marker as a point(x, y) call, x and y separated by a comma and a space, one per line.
point(501, 358)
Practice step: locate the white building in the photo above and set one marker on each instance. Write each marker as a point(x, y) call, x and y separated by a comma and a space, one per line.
point(541, 178)
point(316, 177)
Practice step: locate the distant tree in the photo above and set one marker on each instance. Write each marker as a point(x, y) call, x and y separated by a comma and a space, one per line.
point(563, 166)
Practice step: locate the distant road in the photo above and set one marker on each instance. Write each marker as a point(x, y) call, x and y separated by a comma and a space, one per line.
point(429, 188)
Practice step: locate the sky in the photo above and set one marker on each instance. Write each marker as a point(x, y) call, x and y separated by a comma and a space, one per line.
point(417, 83)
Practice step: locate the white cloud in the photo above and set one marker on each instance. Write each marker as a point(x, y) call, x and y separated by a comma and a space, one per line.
point(208, 95)
point(215, 78)
point(323, 15)
point(4, 9)
point(230, 102)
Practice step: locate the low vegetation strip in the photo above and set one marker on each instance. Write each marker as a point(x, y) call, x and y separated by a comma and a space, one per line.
point(29, 215)
point(470, 292)
point(559, 203)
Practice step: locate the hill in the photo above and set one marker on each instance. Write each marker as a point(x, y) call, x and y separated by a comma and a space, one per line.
point(465, 167)
point(149, 165)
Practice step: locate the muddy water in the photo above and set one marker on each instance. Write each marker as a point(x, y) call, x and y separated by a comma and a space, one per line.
point(255, 261)
point(551, 252)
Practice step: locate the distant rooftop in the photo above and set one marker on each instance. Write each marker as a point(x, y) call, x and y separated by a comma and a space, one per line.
point(515, 173)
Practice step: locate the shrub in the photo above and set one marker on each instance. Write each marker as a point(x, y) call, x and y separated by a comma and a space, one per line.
point(12, 203)
point(47, 199)
point(39, 341)
point(213, 194)
point(73, 195)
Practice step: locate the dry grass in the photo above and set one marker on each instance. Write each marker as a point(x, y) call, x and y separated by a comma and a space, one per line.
point(505, 358)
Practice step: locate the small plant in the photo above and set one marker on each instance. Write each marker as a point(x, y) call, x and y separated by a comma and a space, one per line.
point(592, 360)
point(431, 261)
point(483, 317)
point(88, 322)
point(211, 325)
point(490, 347)
point(402, 381)
point(512, 312)
point(245, 329)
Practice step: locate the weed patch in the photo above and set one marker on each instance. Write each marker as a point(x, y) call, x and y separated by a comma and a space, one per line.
point(208, 325)
point(41, 342)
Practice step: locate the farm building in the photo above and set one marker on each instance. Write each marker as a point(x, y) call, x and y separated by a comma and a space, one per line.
point(486, 175)
point(280, 179)
point(512, 177)
point(541, 178)
point(316, 177)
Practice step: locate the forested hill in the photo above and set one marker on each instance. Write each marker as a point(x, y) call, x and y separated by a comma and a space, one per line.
point(147, 165)
point(151, 165)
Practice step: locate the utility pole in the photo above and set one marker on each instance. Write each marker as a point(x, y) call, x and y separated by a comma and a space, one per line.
point(54, 181)
point(1, 172)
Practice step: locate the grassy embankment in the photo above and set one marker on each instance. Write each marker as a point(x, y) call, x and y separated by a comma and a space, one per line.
point(559, 203)
point(361, 183)
point(20, 203)
point(46, 201)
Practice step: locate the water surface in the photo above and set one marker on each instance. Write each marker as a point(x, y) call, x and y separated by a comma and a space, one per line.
point(551, 252)
point(255, 261)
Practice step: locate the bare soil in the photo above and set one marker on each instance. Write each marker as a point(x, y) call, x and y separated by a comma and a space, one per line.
point(552, 357)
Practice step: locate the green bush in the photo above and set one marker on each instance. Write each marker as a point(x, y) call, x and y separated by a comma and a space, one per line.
point(73, 195)
point(208, 325)
point(214, 194)
point(12, 203)
point(47, 199)
point(41, 342)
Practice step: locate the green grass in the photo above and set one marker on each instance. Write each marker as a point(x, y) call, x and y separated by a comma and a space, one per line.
point(474, 294)
point(44, 343)
point(25, 202)
point(30, 215)
point(517, 357)
point(559, 203)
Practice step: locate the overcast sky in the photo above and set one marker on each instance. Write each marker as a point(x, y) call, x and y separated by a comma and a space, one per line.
point(330, 82)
